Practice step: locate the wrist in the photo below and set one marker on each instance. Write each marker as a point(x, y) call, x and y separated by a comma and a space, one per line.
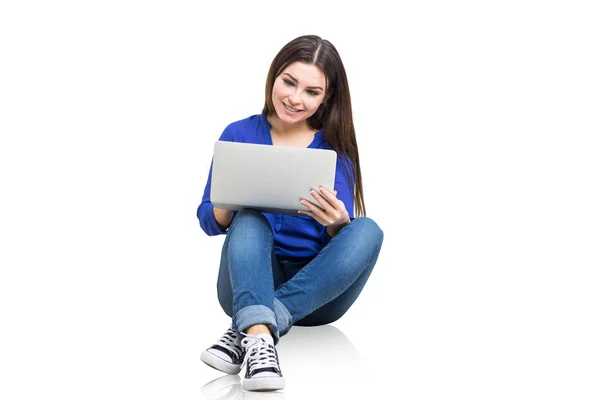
point(332, 230)
point(223, 217)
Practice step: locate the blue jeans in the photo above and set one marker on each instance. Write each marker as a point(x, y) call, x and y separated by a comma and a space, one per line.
point(254, 287)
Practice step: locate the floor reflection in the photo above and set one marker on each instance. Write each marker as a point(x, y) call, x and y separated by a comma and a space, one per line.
point(319, 355)
point(229, 387)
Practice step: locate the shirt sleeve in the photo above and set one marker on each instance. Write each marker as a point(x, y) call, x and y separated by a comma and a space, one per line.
point(344, 184)
point(205, 214)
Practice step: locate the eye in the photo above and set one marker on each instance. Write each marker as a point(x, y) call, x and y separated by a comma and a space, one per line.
point(312, 92)
point(288, 82)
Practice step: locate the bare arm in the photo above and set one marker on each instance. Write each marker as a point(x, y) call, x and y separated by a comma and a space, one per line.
point(223, 217)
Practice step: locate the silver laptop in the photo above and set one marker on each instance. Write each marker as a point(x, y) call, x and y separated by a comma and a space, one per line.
point(268, 178)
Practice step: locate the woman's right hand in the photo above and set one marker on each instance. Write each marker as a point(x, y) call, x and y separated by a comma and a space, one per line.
point(223, 217)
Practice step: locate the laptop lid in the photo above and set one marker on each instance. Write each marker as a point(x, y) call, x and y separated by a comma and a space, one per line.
point(268, 178)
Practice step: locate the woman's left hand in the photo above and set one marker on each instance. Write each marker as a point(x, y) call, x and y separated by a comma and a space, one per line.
point(332, 212)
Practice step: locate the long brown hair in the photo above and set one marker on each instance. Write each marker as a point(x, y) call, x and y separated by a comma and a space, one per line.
point(334, 115)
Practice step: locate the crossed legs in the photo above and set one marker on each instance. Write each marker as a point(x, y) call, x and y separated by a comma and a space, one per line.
point(252, 285)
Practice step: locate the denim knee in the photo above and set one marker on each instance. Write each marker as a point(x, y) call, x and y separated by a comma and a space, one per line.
point(250, 216)
point(368, 230)
point(248, 222)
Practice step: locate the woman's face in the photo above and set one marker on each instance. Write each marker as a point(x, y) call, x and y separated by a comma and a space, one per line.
point(298, 91)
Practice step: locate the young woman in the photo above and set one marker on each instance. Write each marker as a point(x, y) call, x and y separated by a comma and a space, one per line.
point(280, 270)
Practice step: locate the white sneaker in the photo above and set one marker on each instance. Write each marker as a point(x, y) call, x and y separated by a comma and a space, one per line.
point(262, 364)
point(226, 355)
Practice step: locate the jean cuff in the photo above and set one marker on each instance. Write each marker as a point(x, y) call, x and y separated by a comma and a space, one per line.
point(253, 315)
point(283, 316)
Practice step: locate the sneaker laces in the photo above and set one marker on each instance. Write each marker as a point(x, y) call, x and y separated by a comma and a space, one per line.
point(228, 341)
point(259, 354)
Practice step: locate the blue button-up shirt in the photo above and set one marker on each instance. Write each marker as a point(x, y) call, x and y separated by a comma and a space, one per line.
point(295, 237)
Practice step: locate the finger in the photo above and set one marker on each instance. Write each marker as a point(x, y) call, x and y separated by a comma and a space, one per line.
point(328, 194)
point(331, 197)
point(310, 205)
point(325, 202)
point(313, 216)
point(321, 215)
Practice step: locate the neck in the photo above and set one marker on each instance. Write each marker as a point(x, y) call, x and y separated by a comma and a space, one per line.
point(280, 127)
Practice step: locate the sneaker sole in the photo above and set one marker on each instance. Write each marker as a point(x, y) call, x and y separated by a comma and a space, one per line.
point(218, 363)
point(264, 384)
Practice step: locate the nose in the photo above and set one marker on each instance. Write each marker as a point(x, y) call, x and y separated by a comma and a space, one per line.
point(294, 97)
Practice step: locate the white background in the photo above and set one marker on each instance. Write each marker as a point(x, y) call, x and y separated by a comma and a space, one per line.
point(477, 124)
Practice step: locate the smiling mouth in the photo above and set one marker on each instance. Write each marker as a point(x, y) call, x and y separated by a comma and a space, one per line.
point(290, 108)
